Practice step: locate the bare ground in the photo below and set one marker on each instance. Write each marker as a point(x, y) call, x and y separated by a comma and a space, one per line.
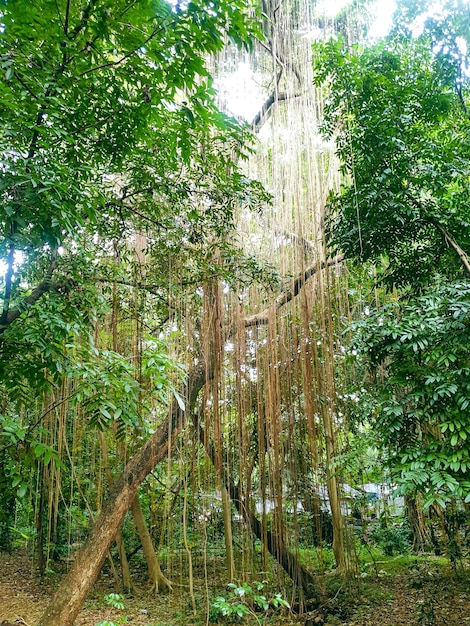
point(426, 594)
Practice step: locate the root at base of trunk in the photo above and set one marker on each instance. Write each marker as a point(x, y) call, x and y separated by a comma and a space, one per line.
point(160, 583)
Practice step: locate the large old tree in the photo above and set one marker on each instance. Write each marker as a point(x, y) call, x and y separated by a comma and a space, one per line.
point(109, 129)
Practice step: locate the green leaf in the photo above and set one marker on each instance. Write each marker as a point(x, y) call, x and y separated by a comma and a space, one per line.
point(179, 400)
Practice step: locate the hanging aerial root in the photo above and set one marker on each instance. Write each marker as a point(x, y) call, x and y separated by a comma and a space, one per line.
point(275, 545)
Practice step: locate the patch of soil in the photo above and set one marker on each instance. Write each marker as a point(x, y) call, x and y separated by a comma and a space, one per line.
point(425, 595)
point(23, 598)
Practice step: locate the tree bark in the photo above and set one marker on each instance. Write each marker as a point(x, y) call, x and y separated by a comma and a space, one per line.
point(72, 592)
point(419, 531)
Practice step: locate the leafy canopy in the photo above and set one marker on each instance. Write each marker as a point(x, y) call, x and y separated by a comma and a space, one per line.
point(403, 138)
point(108, 129)
point(421, 407)
point(398, 111)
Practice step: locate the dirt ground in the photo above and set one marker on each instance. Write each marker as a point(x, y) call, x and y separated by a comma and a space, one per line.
point(425, 595)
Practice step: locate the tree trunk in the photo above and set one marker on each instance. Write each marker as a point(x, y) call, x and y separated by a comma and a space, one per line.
point(228, 536)
point(39, 514)
point(419, 531)
point(72, 592)
point(156, 577)
point(334, 498)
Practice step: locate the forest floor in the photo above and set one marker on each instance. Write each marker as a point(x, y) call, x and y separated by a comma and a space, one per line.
point(396, 592)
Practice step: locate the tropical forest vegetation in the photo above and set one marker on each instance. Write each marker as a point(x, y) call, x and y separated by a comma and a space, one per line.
point(235, 312)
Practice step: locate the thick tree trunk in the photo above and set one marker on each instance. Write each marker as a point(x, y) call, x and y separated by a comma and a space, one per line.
point(72, 592)
point(419, 530)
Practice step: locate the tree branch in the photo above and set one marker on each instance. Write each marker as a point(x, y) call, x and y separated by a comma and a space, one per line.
point(263, 114)
point(84, 19)
point(66, 18)
point(453, 244)
point(125, 56)
point(261, 319)
point(9, 316)
point(138, 284)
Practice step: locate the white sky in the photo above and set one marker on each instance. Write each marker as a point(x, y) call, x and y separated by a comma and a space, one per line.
point(241, 93)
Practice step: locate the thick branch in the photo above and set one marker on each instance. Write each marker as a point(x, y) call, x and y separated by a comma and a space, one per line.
point(43, 287)
point(263, 114)
point(261, 319)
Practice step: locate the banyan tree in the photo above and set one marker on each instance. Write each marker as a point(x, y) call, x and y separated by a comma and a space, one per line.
point(199, 395)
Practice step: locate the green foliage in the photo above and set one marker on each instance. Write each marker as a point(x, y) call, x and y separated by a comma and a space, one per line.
point(421, 404)
point(109, 126)
point(114, 600)
point(243, 599)
point(399, 113)
point(393, 539)
point(108, 129)
point(402, 136)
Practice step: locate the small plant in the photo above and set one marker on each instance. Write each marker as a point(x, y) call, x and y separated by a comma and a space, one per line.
point(226, 608)
point(244, 599)
point(115, 601)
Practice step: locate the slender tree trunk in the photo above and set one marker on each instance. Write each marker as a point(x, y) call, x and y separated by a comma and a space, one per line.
point(334, 496)
point(40, 527)
point(228, 535)
point(72, 592)
point(156, 577)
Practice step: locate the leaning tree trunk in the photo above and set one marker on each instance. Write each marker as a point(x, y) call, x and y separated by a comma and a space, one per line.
point(72, 592)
